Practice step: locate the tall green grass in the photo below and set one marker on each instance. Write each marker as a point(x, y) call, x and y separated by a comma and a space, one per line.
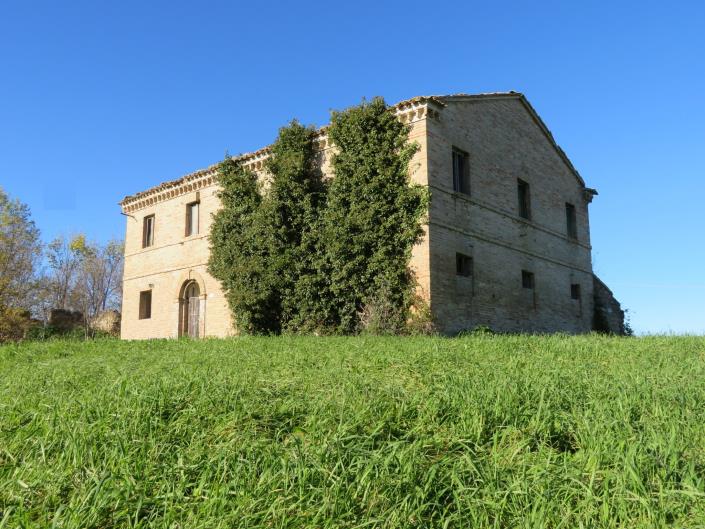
point(488, 431)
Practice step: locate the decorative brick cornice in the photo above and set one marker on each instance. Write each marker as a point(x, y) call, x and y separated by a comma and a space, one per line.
point(408, 111)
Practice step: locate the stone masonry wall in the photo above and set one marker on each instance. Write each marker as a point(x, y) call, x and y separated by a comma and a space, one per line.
point(609, 316)
point(175, 259)
point(164, 267)
point(505, 143)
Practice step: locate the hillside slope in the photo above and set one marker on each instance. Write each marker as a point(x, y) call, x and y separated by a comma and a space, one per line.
point(489, 431)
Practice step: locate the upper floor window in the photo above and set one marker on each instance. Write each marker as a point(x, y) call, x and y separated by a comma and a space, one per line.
point(148, 231)
point(461, 171)
point(145, 305)
point(463, 265)
point(524, 196)
point(575, 291)
point(571, 222)
point(192, 218)
point(527, 279)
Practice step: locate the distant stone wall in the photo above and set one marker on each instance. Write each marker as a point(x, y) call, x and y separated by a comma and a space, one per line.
point(609, 316)
point(107, 322)
point(65, 320)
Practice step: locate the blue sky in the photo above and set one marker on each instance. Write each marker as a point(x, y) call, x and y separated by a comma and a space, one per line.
point(99, 100)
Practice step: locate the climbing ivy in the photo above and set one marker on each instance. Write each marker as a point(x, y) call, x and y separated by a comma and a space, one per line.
point(259, 240)
point(293, 203)
point(373, 217)
point(240, 250)
point(299, 255)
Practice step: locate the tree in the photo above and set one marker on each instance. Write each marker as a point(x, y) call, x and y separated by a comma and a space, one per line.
point(305, 256)
point(292, 208)
point(263, 239)
point(20, 253)
point(64, 256)
point(99, 278)
point(372, 219)
point(240, 250)
point(85, 276)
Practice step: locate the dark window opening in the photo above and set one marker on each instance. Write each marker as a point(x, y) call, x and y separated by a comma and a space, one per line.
point(192, 218)
point(461, 171)
point(571, 222)
point(145, 304)
point(148, 231)
point(524, 199)
point(527, 279)
point(463, 265)
point(575, 291)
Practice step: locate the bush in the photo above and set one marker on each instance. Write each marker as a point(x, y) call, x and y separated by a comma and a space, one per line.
point(14, 324)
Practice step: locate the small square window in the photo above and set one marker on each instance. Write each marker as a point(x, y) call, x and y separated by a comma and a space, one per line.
point(461, 171)
point(575, 291)
point(148, 231)
point(463, 265)
point(527, 279)
point(145, 304)
point(524, 196)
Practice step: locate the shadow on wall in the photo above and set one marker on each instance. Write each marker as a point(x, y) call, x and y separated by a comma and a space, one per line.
point(609, 316)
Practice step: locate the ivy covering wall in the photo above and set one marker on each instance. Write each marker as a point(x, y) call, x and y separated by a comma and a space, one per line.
point(300, 254)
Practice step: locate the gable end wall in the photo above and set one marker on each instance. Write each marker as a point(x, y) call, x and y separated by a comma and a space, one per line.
point(505, 143)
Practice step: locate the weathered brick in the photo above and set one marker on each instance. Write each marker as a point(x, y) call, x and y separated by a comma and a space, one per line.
point(505, 141)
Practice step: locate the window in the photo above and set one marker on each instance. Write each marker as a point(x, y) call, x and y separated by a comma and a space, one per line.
point(527, 279)
point(575, 291)
point(571, 222)
point(524, 199)
point(461, 171)
point(463, 265)
point(148, 231)
point(191, 218)
point(145, 304)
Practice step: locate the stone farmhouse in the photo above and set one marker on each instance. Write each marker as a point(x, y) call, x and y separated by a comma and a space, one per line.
point(507, 244)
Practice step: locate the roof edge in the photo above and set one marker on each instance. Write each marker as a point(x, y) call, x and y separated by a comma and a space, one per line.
point(437, 100)
point(534, 115)
point(401, 106)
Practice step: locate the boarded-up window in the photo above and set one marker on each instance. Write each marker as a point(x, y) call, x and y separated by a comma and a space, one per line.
point(575, 291)
point(461, 171)
point(145, 304)
point(571, 222)
point(527, 279)
point(192, 218)
point(463, 265)
point(148, 231)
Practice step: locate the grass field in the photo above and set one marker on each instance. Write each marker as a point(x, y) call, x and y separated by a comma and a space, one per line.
point(488, 431)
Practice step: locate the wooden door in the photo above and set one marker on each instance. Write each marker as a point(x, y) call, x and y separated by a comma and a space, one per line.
point(193, 316)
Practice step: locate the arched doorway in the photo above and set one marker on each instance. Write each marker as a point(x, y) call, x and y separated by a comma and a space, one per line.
point(190, 317)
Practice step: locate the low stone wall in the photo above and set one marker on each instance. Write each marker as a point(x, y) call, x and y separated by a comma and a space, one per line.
point(65, 320)
point(107, 322)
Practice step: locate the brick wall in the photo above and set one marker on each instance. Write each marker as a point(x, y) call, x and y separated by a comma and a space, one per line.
point(504, 144)
point(167, 266)
point(175, 259)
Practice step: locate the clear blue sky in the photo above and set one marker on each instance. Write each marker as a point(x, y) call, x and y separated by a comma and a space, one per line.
point(99, 100)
